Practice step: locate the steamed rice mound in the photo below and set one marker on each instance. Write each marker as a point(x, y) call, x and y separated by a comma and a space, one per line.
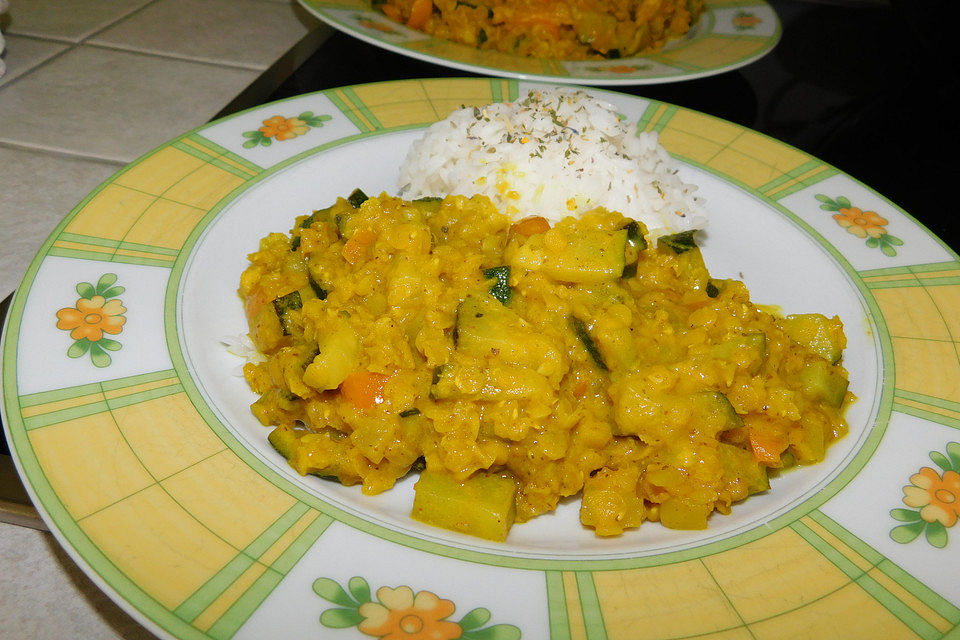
point(553, 153)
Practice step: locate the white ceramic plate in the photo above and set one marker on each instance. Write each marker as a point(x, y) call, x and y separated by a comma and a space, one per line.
point(135, 439)
point(729, 35)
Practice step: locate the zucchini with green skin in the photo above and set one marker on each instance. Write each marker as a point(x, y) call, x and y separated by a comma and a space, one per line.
point(750, 347)
point(357, 198)
point(580, 330)
point(489, 331)
point(287, 442)
point(592, 257)
point(822, 335)
point(483, 505)
point(319, 215)
point(283, 305)
point(823, 381)
point(501, 288)
point(713, 410)
point(740, 467)
point(428, 204)
point(690, 264)
point(493, 382)
point(636, 244)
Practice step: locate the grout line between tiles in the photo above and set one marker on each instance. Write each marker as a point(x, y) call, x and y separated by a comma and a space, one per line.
point(80, 39)
point(73, 43)
point(172, 56)
point(36, 148)
point(42, 38)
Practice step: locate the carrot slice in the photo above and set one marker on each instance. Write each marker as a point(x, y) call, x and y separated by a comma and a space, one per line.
point(420, 13)
point(391, 12)
point(767, 447)
point(253, 303)
point(531, 226)
point(356, 247)
point(549, 21)
point(363, 389)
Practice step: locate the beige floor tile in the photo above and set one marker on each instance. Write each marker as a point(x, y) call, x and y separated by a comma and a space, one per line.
point(45, 595)
point(23, 54)
point(248, 33)
point(38, 189)
point(113, 104)
point(70, 20)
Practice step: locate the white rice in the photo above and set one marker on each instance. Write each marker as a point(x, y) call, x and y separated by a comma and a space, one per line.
point(555, 153)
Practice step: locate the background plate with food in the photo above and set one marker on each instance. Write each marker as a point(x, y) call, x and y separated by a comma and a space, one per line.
point(725, 36)
point(132, 428)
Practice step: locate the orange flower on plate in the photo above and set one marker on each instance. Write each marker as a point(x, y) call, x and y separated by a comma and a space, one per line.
point(861, 223)
point(91, 318)
point(283, 128)
point(938, 498)
point(401, 615)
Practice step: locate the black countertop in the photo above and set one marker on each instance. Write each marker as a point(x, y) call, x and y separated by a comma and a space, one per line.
point(862, 85)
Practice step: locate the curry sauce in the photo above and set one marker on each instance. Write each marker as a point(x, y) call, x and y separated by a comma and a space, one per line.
point(514, 364)
point(559, 29)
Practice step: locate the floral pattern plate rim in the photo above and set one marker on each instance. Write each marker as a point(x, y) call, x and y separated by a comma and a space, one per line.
point(134, 439)
point(729, 35)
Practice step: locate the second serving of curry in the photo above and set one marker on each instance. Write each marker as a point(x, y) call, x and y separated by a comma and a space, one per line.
point(517, 364)
point(559, 29)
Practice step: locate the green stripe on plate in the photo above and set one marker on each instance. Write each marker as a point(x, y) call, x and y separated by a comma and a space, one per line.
point(590, 606)
point(557, 606)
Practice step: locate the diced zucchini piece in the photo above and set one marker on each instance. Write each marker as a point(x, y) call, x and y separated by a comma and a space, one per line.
point(824, 336)
point(716, 286)
point(580, 330)
point(808, 443)
point(487, 329)
point(494, 382)
point(339, 356)
point(407, 413)
point(636, 243)
point(283, 305)
point(319, 215)
point(635, 237)
point(676, 513)
point(357, 198)
point(285, 440)
point(483, 506)
point(501, 288)
point(679, 242)
point(320, 454)
point(428, 205)
point(318, 290)
point(690, 265)
point(823, 381)
point(341, 219)
point(740, 467)
point(714, 412)
point(266, 331)
point(751, 346)
point(591, 256)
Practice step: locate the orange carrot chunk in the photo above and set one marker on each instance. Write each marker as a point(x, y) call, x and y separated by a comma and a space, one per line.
point(355, 248)
point(767, 447)
point(420, 13)
point(363, 389)
point(531, 226)
point(391, 12)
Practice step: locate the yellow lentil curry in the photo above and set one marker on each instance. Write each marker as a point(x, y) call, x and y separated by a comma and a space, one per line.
point(560, 29)
point(518, 364)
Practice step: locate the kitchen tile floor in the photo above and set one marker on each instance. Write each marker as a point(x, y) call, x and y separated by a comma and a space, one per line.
point(89, 86)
